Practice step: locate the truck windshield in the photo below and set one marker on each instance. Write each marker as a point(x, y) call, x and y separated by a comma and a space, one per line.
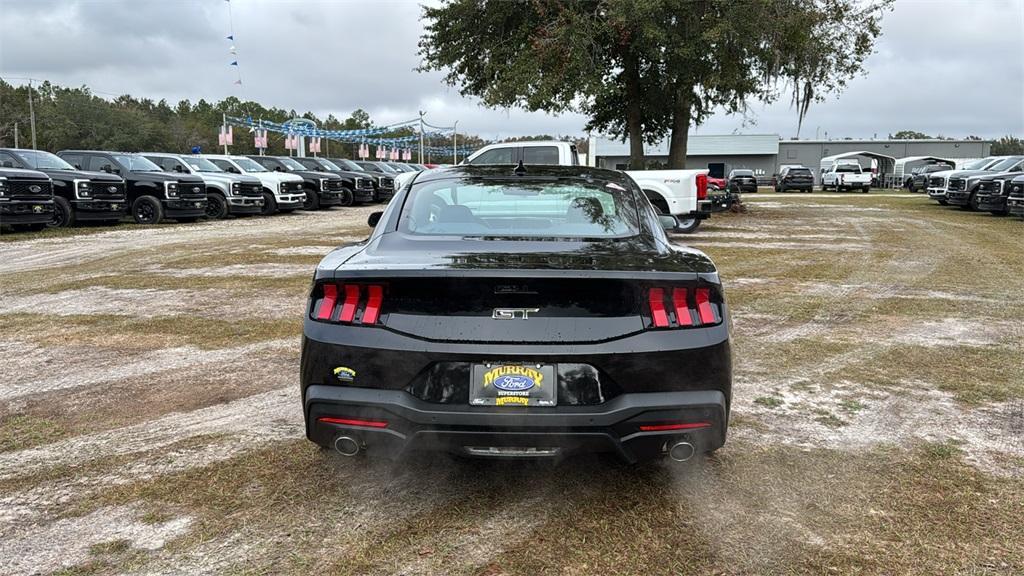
point(291, 164)
point(1005, 164)
point(202, 165)
point(249, 165)
point(517, 209)
point(136, 163)
point(328, 164)
point(39, 160)
point(978, 164)
point(348, 165)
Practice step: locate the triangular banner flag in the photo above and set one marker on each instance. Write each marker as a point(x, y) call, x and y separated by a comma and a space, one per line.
point(232, 37)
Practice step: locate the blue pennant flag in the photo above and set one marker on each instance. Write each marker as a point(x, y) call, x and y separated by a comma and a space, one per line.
point(235, 63)
point(231, 37)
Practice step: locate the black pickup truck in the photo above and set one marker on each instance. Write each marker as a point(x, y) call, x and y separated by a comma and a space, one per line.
point(26, 199)
point(385, 179)
point(322, 188)
point(358, 185)
point(962, 186)
point(993, 192)
point(918, 179)
point(1015, 196)
point(152, 193)
point(78, 196)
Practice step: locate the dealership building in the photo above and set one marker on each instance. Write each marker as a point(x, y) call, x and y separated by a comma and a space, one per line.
point(764, 153)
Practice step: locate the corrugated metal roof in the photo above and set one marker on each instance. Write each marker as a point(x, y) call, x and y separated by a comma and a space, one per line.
point(699, 145)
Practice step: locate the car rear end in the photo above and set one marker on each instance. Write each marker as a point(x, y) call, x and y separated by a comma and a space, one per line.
point(797, 179)
point(508, 347)
point(746, 183)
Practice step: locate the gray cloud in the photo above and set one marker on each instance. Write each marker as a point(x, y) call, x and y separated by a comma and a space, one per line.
point(947, 67)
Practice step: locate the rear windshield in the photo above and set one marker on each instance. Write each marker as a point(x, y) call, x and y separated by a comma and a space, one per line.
point(848, 168)
point(742, 173)
point(520, 208)
point(799, 171)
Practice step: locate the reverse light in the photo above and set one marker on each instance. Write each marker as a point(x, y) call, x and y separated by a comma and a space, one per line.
point(354, 422)
point(674, 426)
point(702, 186)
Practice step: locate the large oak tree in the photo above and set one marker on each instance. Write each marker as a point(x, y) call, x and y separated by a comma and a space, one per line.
point(644, 69)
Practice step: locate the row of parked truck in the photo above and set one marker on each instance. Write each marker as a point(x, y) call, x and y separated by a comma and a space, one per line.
point(994, 184)
point(40, 189)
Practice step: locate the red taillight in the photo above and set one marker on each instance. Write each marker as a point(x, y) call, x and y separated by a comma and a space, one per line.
point(679, 302)
point(327, 304)
point(354, 422)
point(353, 295)
point(702, 186)
point(348, 309)
point(704, 310)
point(675, 426)
point(681, 311)
point(656, 298)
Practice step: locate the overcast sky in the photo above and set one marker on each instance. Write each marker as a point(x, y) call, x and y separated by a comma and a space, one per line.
point(942, 66)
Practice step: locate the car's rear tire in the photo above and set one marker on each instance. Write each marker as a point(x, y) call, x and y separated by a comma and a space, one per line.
point(63, 215)
point(216, 207)
point(269, 203)
point(147, 210)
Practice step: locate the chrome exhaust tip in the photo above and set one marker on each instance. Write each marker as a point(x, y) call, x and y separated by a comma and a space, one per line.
point(346, 446)
point(681, 451)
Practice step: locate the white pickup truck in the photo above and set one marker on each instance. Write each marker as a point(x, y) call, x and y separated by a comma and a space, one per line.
point(846, 176)
point(682, 193)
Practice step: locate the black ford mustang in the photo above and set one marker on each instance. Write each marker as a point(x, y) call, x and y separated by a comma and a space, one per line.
point(532, 312)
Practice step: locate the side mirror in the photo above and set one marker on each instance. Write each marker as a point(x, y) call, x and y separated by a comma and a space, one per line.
point(374, 219)
point(278, 169)
point(668, 221)
point(107, 168)
point(179, 168)
point(233, 170)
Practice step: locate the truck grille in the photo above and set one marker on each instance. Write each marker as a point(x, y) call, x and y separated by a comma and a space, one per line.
point(107, 190)
point(335, 185)
point(990, 188)
point(364, 184)
point(30, 188)
point(293, 187)
point(1016, 189)
point(936, 182)
point(387, 182)
point(956, 184)
point(191, 190)
point(251, 189)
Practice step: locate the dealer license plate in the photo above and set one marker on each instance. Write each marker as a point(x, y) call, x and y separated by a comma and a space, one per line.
point(512, 384)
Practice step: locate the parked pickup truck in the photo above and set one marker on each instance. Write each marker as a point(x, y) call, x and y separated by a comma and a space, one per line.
point(152, 193)
point(226, 193)
point(281, 192)
point(992, 193)
point(26, 199)
point(962, 186)
point(358, 186)
point(1015, 198)
point(681, 193)
point(77, 195)
point(846, 177)
point(938, 181)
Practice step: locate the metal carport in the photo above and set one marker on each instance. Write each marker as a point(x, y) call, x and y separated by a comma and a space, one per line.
point(900, 169)
point(886, 164)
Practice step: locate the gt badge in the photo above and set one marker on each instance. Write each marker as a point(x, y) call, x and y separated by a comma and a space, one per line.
point(345, 374)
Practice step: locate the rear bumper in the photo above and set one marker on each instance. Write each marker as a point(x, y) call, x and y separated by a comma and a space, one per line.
point(796, 186)
point(613, 426)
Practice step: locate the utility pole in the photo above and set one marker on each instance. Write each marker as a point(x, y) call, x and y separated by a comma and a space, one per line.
point(421, 136)
point(455, 143)
point(16, 135)
point(224, 131)
point(32, 115)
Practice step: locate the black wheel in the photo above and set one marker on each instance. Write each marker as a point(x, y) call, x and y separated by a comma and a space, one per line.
point(312, 201)
point(269, 203)
point(865, 189)
point(347, 197)
point(973, 203)
point(216, 207)
point(63, 215)
point(147, 210)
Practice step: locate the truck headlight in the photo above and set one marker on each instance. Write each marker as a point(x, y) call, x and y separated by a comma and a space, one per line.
point(3, 189)
point(83, 189)
point(282, 187)
point(236, 187)
point(323, 184)
point(172, 189)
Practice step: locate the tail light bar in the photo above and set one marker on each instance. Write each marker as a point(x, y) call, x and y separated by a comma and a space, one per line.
point(349, 303)
point(702, 186)
point(681, 310)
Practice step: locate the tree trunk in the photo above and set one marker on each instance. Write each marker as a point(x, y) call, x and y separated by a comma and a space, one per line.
point(680, 130)
point(634, 115)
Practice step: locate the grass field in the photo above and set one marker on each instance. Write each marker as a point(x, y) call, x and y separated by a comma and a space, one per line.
point(150, 421)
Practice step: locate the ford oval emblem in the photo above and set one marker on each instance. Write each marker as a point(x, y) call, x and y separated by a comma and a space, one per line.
point(35, 189)
point(112, 189)
point(514, 382)
point(196, 189)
